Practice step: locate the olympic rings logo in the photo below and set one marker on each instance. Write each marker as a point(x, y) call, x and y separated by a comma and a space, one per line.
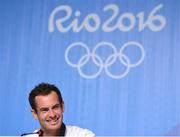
point(111, 59)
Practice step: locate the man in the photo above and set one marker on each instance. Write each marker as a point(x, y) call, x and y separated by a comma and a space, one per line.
point(48, 107)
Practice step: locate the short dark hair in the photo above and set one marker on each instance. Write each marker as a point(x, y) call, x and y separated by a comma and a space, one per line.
point(43, 89)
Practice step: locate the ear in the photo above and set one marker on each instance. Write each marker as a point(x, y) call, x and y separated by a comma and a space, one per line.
point(62, 106)
point(34, 114)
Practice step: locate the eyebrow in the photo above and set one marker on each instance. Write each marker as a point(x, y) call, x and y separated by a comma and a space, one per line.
point(56, 105)
point(46, 108)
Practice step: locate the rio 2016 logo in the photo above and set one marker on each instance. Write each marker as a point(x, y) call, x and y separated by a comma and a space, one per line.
point(71, 20)
point(105, 26)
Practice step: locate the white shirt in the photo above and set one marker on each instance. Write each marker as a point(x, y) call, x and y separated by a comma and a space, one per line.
point(71, 131)
point(75, 131)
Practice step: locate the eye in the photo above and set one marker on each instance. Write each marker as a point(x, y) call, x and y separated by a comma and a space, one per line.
point(56, 106)
point(43, 110)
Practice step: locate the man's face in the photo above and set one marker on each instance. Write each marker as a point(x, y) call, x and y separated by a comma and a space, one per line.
point(48, 111)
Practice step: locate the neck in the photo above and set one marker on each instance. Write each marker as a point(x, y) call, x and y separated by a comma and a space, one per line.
point(58, 132)
point(51, 133)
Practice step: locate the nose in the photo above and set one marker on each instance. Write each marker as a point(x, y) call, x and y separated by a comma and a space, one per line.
point(51, 113)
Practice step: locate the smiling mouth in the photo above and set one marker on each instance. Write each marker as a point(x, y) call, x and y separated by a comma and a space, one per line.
point(54, 121)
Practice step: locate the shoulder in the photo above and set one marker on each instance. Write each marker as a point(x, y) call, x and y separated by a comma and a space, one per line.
point(34, 134)
point(30, 135)
point(77, 131)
